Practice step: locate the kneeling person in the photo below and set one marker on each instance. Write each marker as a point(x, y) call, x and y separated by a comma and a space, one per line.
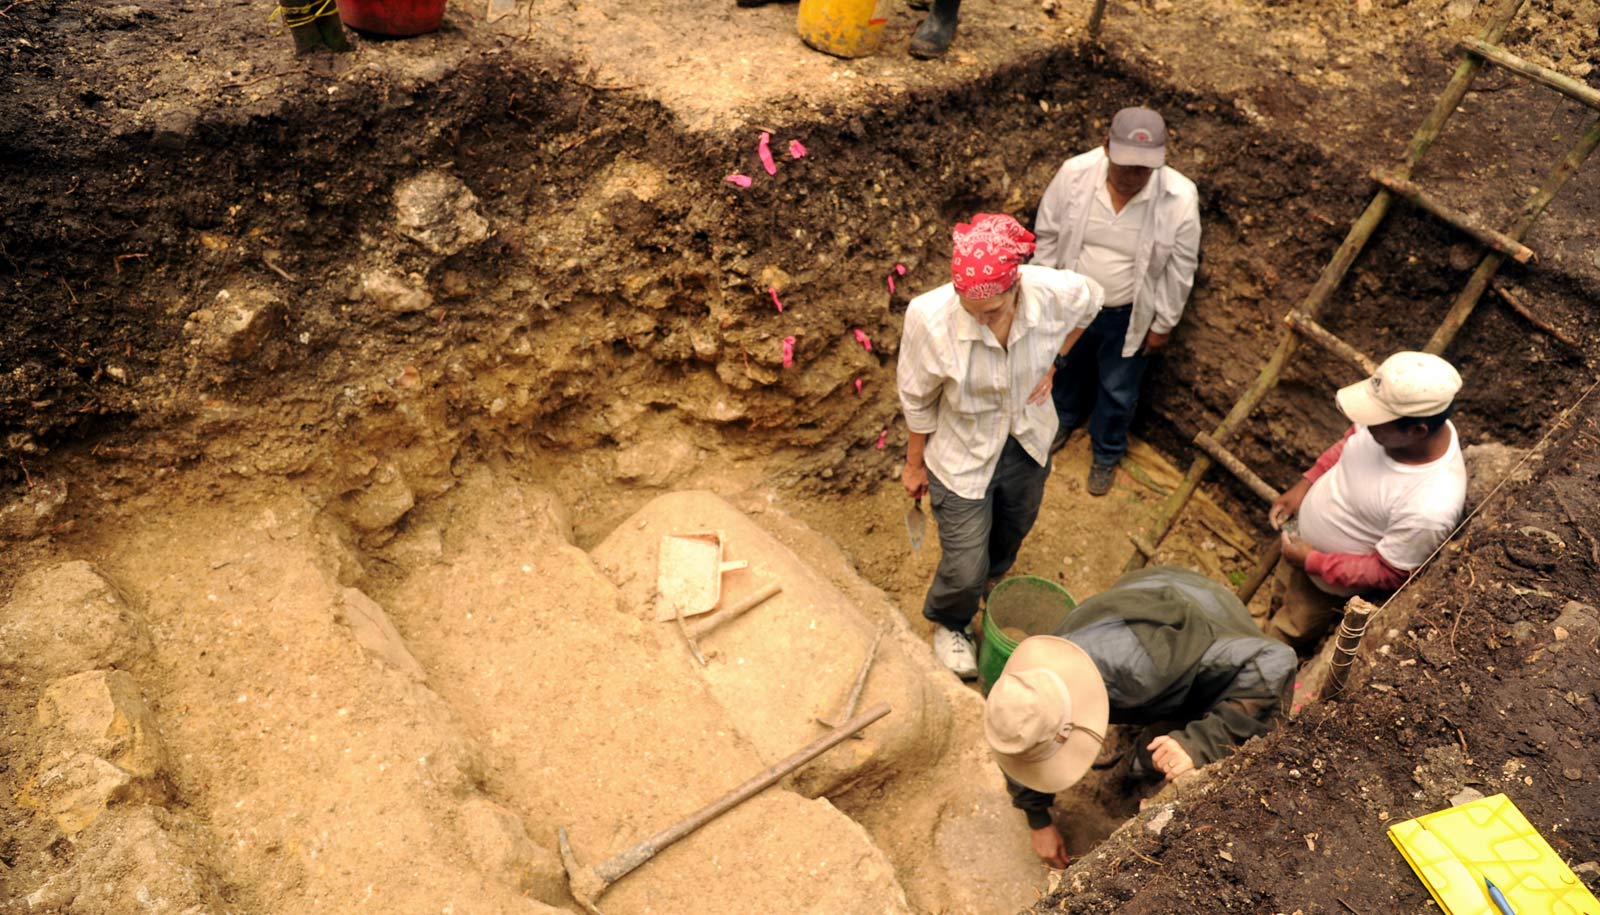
point(1161, 644)
point(1378, 502)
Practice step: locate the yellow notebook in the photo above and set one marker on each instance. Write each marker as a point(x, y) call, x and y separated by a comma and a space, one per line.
point(1454, 850)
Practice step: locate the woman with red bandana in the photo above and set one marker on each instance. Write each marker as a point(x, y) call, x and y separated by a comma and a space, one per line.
point(977, 359)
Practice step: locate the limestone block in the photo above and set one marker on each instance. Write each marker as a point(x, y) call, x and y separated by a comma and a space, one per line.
point(982, 855)
point(382, 502)
point(102, 713)
point(438, 211)
point(33, 510)
point(375, 632)
point(658, 462)
point(236, 324)
point(1578, 625)
point(537, 514)
point(144, 859)
point(1487, 464)
point(792, 659)
point(65, 619)
point(77, 790)
point(391, 293)
point(499, 844)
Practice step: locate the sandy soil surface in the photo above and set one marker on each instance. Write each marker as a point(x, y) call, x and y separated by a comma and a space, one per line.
point(239, 368)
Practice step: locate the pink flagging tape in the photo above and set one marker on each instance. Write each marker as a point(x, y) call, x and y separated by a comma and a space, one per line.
point(858, 385)
point(764, 150)
point(863, 339)
point(788, 351)
point(900, 269)
point(773, 291)
point(796, 150)
point(890, 278)
point(883, 439)
point(740, 180)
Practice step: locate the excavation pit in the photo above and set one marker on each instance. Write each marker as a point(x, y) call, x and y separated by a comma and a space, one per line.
point(351, 376)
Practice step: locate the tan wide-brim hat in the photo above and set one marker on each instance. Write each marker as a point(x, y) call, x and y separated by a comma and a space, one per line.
point(1049, 688)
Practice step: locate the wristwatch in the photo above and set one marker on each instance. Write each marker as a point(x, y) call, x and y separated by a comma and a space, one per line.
point(1061, 360)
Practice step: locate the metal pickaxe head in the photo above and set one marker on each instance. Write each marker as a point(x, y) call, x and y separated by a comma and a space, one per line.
point(584, 884)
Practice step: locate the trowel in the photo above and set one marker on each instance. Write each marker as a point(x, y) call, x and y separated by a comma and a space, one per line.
point(916, 523)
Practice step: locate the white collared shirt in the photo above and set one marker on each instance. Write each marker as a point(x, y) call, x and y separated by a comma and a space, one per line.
point(969, 394)
point(1111, 243)
point(1169, 239)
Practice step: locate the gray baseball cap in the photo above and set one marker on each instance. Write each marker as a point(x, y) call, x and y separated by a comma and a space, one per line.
point(1138, 137)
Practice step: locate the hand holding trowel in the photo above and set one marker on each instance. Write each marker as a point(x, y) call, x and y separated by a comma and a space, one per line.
point(915, 480)
point(916, 523)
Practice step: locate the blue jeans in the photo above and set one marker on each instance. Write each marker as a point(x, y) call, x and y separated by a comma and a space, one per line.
point(979, 538)
point(1100, 384)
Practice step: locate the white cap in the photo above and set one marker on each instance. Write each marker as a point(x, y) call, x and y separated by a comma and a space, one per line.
point(1405, 385)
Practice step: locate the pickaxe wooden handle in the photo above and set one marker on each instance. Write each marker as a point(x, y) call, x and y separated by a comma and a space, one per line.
point(587, 884)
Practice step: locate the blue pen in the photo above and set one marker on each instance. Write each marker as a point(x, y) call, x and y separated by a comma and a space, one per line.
point(1499, 898)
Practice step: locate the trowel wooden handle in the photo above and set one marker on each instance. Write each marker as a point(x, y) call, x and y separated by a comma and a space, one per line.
point(728, 614)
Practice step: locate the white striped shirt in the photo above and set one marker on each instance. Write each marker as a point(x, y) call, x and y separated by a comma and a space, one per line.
point(965, 391)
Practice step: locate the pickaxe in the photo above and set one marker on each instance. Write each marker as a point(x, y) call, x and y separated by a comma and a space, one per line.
point(692, 632)
point(588, 883)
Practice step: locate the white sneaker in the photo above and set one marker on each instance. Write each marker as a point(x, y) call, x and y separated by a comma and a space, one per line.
point(954, 650)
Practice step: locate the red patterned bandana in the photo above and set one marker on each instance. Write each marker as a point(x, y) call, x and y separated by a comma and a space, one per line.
point(987, 253)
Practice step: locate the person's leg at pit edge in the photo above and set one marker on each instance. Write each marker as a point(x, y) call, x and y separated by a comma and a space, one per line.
point(1114, 403)
point(958, 583)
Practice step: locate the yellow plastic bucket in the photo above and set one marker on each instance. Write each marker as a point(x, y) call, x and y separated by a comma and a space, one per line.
point(843, 28)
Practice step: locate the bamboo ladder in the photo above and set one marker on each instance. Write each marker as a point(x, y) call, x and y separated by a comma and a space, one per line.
point(1302, 322)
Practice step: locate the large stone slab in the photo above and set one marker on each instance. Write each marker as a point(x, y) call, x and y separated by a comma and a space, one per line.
point(591, 718)
point(789, 661)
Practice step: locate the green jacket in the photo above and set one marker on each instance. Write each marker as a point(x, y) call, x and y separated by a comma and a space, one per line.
point(1173, 645)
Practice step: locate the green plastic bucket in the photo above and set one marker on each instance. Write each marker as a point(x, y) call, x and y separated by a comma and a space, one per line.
point(1035, 606)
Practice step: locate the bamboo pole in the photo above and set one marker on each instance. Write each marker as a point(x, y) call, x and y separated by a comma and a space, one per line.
point(1516, 304)
point(1357, 613)
point(1326, 339)
point(1416, 196)
point(1565, 85)
point(1238, 468)
point(1261, 571)
point(1328, 281)
point(1468, 298)
point(1095, 18)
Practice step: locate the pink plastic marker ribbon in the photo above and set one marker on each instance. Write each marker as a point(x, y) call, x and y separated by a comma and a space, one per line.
point(796, 150)
point(863, 339)
point(773, 291)
point(764, 150)
point(890, 278)
point(858, 385)
point(900, 269)
point(883, 439)
point(740, 180)
point(788, 351)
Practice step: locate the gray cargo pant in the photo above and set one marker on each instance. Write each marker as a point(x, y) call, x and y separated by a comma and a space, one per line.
point(979, 538)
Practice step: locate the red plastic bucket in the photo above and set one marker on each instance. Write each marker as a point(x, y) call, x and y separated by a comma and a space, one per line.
point(397, 18)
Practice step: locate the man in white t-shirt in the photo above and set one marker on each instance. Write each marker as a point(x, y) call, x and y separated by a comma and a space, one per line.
point(1378, 503)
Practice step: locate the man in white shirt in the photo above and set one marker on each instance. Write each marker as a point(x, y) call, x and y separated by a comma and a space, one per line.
point(1120, 216)
point(976, 362)
point(1378, 503)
